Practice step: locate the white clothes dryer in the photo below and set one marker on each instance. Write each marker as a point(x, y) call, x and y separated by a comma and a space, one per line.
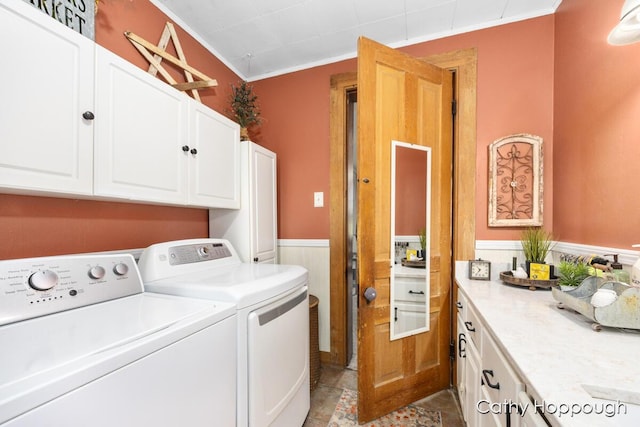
point(83, 345)
point(273, 321)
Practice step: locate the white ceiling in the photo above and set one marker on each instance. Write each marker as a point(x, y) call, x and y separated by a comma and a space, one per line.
point(264, 38)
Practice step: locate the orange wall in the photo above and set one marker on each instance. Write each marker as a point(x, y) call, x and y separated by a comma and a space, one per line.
point(515, 95)
point(576, 109)
point(39, 226)
point(597, 128)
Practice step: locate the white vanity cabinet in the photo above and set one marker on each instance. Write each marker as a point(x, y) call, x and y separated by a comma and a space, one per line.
point(155, 144)
point(488, 386)
point(252, 229)
point(46, 82)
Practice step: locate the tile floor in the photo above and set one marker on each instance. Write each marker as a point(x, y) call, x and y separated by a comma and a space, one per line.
point(333, 380)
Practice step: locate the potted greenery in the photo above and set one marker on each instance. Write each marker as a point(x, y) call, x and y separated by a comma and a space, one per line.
point(571, 274)
point(536, 244)
point(244, 107)
point(422, 235)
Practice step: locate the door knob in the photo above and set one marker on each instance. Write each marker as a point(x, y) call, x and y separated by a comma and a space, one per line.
point(370, 294)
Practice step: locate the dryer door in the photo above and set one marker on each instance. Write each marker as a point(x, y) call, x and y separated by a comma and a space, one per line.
point(278, 347)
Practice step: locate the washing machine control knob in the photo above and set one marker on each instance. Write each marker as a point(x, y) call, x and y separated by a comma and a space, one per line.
point(97, 272)
point(43, 280)
point(120, 269)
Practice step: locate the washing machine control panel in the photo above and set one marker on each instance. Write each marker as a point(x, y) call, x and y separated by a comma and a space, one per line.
point(187, 254)
point(38, 286)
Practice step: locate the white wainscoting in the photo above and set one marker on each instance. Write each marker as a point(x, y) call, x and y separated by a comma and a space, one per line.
point(314, 256)
point(501, 253)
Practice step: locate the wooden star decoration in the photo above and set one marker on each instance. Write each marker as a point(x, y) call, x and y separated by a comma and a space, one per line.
point(155, 54)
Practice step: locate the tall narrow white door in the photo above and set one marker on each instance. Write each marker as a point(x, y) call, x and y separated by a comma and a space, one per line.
point(264, 199)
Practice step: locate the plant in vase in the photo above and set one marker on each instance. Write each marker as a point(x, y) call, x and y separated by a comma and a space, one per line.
point(422, 235)
point(536, 244)
point(570, 274)
point(244, 107)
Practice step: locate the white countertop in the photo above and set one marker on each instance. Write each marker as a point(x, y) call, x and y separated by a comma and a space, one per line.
point(555, 351)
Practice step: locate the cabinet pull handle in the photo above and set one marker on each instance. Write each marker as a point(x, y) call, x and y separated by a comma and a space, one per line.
point(489, 372)
point(185, 148)
point(88, 115)
point(459, 304)
point(462, 351)
point(469, 326)
point(194, 151)
point(395, 314)
point(416, 292)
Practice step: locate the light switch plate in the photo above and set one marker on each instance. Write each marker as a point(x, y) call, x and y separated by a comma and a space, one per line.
point(318, 199)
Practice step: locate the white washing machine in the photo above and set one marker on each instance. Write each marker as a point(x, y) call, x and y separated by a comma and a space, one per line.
point(82, 345)
point(273, 321)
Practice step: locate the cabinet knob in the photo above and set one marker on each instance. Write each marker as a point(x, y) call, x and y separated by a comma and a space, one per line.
point(256, 259)
point(194, 151)
point(185, 148)
point(88, 115)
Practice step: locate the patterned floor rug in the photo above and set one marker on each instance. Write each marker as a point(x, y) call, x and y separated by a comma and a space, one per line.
point(346, 415)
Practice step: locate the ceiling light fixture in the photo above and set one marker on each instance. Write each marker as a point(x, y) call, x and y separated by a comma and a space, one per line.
point(628, 29)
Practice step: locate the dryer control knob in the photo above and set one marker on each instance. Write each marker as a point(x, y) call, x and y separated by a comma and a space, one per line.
point(97, 272)
point(120, 269)
point(43, 280)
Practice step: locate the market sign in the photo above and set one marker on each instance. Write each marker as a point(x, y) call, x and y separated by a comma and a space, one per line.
point(75, 14)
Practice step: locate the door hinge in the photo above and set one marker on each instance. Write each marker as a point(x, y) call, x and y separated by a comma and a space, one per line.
point(454, 107)
point(452, 351)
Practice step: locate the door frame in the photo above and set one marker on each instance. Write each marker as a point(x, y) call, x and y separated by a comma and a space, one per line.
point(464, 63)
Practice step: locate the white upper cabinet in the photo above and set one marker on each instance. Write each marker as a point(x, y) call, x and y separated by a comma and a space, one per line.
point(141, 129)
point(77, 120)
point(214, 167)
point(46, 85)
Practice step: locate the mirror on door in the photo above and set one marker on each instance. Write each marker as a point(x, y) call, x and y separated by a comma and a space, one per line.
point(410, 214)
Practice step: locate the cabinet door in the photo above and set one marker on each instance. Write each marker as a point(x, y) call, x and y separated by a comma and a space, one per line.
point(472, 385)
point(461, 364)
point(46, 82)
point(500, 383)
point(140, 134)
point(263, 198)
point(530, 417)
point(214, 169)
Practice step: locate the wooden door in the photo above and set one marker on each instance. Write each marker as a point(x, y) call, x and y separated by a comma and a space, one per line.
point(405, 99)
